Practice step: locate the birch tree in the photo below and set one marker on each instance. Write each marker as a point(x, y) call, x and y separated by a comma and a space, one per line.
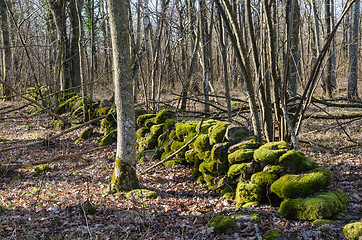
point(124, 174)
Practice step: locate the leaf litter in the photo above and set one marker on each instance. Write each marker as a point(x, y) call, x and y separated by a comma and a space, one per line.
point(48, 205)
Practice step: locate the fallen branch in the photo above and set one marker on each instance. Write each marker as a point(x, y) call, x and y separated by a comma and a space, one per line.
point(168, 158)
point(342, 116)
point(45, 141)
point(78, 155)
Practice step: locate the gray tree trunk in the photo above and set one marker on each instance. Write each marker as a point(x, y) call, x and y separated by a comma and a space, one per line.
point(124, 174)
point(6, 50)
point(353, 53)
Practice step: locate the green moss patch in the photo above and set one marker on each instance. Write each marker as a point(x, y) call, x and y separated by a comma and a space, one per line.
point(157, 129)
point(321, 222)
point(217, 132)
point(109, 138)
point(353, 231)
point(219, 152)
point(272, 234)
point(184, 129)
point(202, 143)
point(148, 143)
point(221, 224)
point(242, 155)
point(263, 179)
point(238, 171)
point(248, 143)
point(141, 193)
point(291, 186)
point(213, 167)
point(248, 192)
point(42, 168)
point(87, 133)
point(163, 115)
point(321, 206)
point(58, 125)
point(142, 119)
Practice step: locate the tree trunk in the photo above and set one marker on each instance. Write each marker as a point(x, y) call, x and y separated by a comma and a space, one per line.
point(74, 48)
point(124, 174)
point(205, 50)
point(6, 50)
point(353, 53)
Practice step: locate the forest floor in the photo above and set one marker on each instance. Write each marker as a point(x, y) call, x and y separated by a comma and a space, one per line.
point(48, 205)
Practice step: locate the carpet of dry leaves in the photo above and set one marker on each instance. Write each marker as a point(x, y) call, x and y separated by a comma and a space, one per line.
point(48, 205)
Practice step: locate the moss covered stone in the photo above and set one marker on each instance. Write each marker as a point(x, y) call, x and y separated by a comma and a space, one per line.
point(124, 178)
point(275, 145)
point(89, 208)
point(141, 132)
point(265, 156)
point(157, 130)
point(109, 138)
point(248, 143)
point(162, 139)
point(353, 231)
point(58, 125)
point(141, 193)
point(275, 169)
point(219, 152)
point(147, 143)
point(139, 111)
point(296, 162)
point(147, 155)
point(248, 192)
point(228, 192)
point(217, 132)
point(142, 119)
point(149, 122)
point(169, 124)
point(291, 186)
point(108, 123)
point(79, 140)
point(102, 111)
point(206, 125)
point(42, 168)
point(320, 206)
point(191, 155)
point(242, 155)
point(272, 234)
point(87, 133)
point(264, 179)
point(221, 224)
point(184, 129)
point(202, 143)
point(238, 170)
point(213, 167)
point(321, 222)
point(163, 115)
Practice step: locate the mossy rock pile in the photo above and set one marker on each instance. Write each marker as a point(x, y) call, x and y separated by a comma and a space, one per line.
point(353, 231)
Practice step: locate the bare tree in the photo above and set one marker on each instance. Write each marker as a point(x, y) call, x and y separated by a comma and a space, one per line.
point(353, 53)
point(6, 50)
point(124, 174)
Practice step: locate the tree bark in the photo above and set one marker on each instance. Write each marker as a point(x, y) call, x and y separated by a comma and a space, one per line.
point(124, 174)
point(6, 50)
point(353, 53)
